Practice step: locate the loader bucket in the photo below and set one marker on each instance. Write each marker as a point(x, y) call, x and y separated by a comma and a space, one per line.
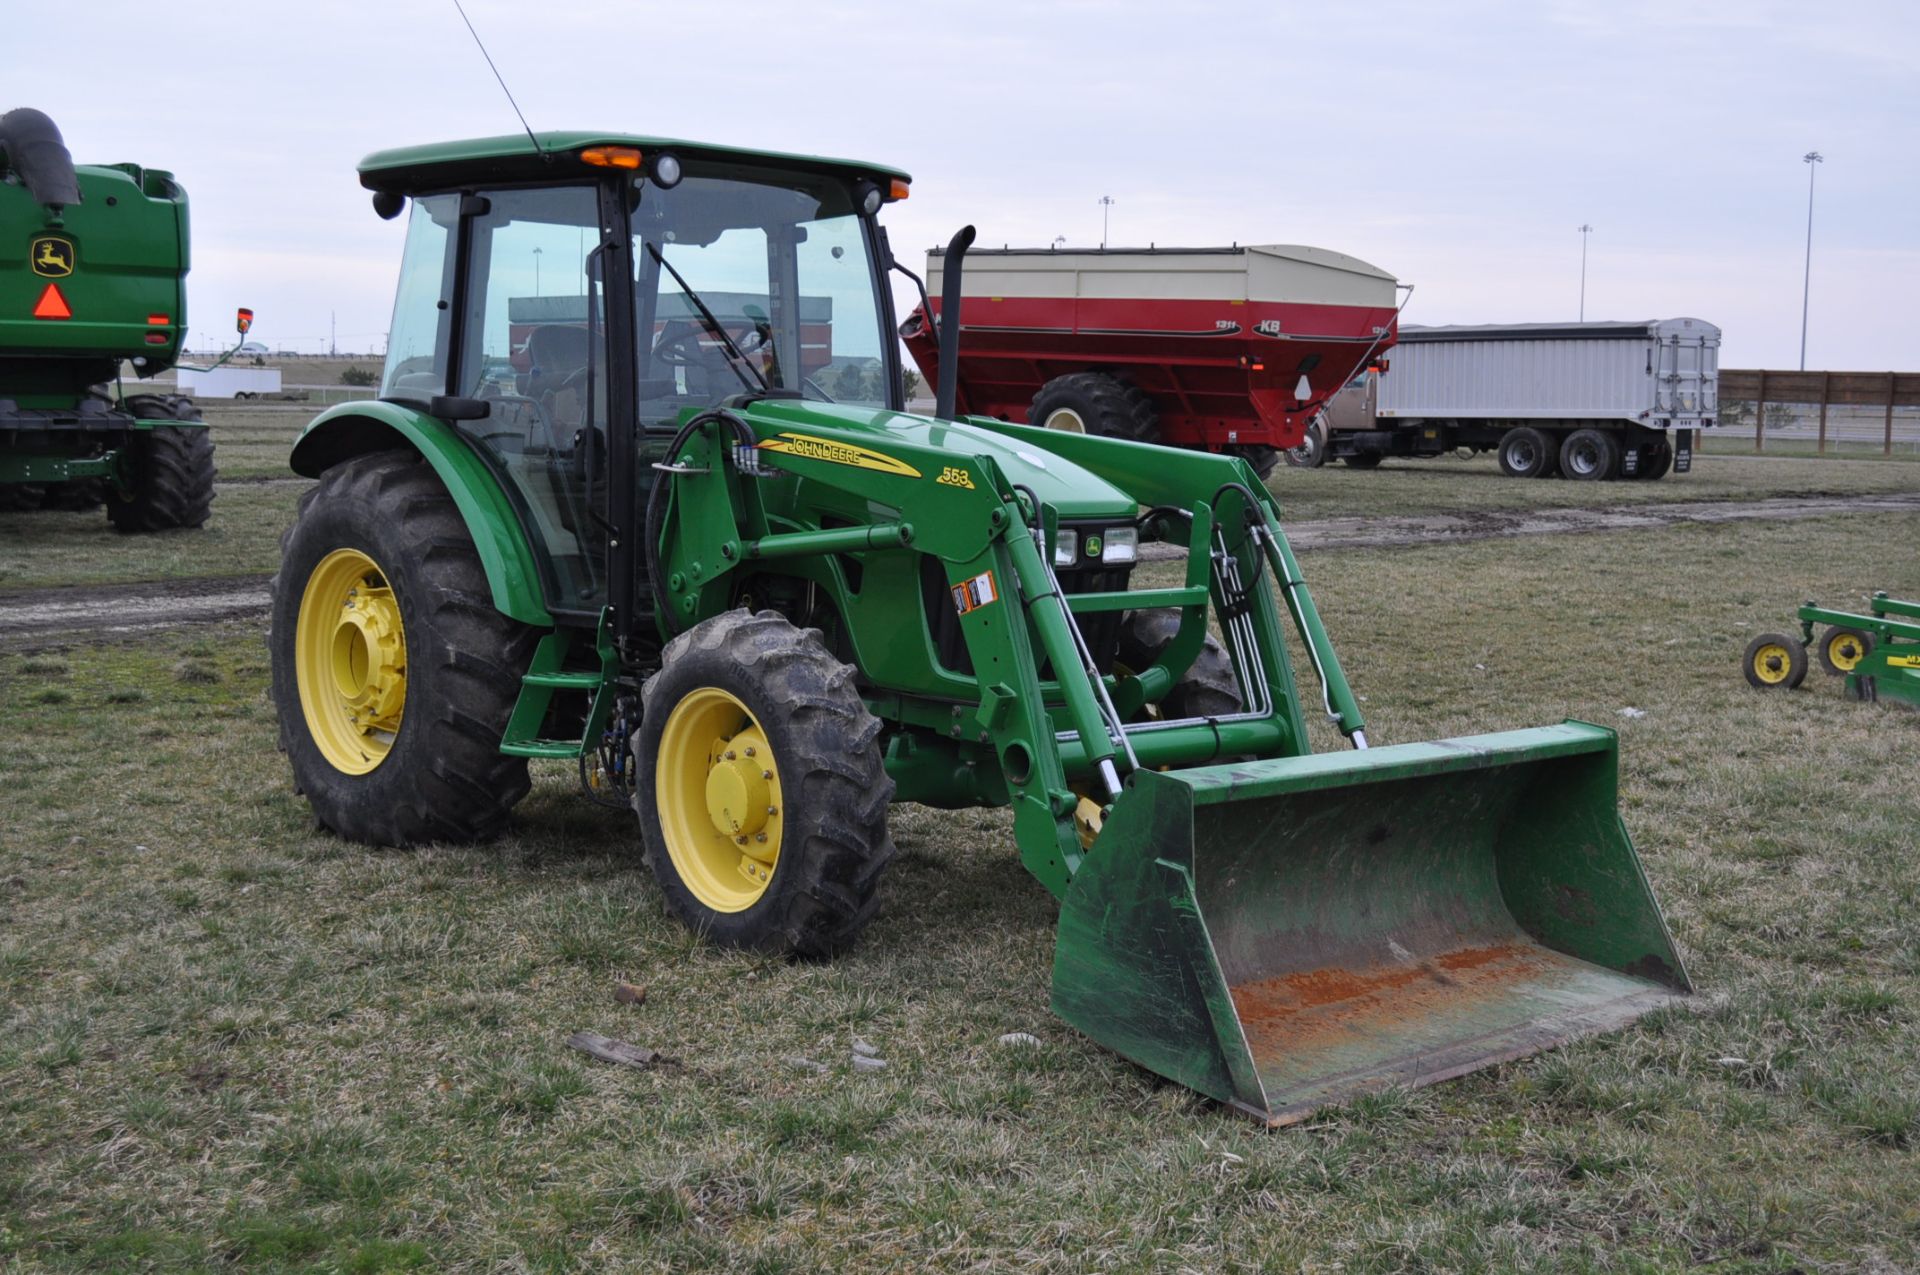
point(1288, 933)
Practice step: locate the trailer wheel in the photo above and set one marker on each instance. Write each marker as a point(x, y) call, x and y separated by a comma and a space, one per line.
point(1656, 458)
point(393, 673)
point(1841, 649)
point(1590, 455)
point(171, 470)
point(1095, 403)
point(1775, 661)
point(1312, 450)
point(760, 788)
point(1526, 452)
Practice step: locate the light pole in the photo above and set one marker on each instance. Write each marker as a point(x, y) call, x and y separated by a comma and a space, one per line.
point(1585, 230)
point(1106, 202)
point(536, 272)
point(1811, 159)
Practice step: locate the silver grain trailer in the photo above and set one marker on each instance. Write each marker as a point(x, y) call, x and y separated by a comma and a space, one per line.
point(1588, 400)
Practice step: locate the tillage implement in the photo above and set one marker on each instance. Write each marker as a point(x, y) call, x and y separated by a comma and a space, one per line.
point(1878, 653)
point(639, 493)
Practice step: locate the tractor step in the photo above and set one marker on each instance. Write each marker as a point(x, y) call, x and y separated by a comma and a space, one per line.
point(548, 676)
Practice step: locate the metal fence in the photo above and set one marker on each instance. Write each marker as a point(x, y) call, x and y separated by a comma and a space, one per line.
point(1818, 411)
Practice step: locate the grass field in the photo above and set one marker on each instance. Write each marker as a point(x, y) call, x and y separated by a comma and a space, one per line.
point(230, 1041)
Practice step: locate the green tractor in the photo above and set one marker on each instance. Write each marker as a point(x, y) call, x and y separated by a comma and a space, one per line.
point(94, 258)
point(607, 510)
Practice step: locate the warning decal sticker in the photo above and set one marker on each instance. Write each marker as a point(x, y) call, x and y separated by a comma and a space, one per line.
point(971, 595)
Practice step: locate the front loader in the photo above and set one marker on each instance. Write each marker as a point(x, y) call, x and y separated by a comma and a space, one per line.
point(639, 495)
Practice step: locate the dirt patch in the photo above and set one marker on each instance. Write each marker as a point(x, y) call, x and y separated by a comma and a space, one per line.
point(106, 610)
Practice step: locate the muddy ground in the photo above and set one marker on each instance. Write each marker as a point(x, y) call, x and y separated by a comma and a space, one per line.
point(32, 617)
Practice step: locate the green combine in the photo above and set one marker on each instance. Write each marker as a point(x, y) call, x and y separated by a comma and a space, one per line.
point(93, 259)
point(608, 511)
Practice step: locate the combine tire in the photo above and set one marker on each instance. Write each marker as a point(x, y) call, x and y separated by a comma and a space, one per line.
point(393, 673)
point(1842, 649)
point(1775, 661)
point(1312, 450)
point(1590, 455)
point(1526, 452)
point(1095, 403)
point(761, 794)
point(1207, 689)
point(170, 470)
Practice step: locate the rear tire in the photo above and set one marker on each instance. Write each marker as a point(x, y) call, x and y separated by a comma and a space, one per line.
point(169, 468)
point(1590, 455)
point(812, 886)
point(1095, 403)
point(1526, 452)
point(1656, 458)
point(1207, 689)
point(1312, 451)
point(438, 774)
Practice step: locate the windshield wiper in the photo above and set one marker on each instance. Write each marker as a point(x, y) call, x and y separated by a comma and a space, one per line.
point(735, 359)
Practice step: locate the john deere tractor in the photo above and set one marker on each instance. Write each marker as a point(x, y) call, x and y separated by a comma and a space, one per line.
point(639, 495)
point(93, 260)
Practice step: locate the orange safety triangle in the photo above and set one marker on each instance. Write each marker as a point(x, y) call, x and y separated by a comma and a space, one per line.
point(52, 305)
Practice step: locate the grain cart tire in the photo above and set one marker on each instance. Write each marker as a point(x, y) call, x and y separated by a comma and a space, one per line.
point(81, 495)
point(1207, 689)
point(1095, 403)
point(393, 673)
point(1590, 455)
point(1775, 661)
point(170, 470)
point(760, 789)
point(1311, 453)
point(1525, 452)
point(1363, 460)
point(1841, 649)
point(1264, 460)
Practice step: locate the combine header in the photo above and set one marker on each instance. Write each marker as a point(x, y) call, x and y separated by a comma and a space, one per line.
point(629, 526)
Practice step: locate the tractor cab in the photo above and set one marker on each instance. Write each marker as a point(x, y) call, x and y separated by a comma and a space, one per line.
point(572, 308)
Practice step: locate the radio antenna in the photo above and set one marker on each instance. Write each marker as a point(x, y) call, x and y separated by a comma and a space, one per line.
point(496, 75)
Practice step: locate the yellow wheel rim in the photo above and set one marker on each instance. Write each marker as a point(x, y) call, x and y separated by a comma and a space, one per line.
point(717, 792)
point(350, 661)
point(1065, 418)
point(1845, 651)
point(1771, 663)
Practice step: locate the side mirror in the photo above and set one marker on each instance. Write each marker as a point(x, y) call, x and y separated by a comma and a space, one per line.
point(243, 321)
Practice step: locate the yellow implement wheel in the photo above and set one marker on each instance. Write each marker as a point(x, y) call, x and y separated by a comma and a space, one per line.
point(1774, 661)
point(1842, 649)
point(350, 661)
point(717, 788)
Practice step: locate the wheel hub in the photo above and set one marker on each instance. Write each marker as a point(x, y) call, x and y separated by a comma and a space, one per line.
point(718, 798)
point(350, 661)
point(739, 788)
point(369, 658)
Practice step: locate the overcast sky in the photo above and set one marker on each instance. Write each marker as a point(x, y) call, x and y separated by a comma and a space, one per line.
point(1456, 144)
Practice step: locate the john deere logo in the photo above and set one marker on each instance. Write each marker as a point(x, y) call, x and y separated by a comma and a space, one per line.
point(52, 257)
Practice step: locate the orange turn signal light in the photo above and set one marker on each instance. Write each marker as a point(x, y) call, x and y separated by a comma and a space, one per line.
point(898, 190)
point(158, 320)
point(611, 156)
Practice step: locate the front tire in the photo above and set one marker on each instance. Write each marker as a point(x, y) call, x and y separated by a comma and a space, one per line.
point(1207, 689)
point(760, 788)
point(170, 470)
point(393, 673)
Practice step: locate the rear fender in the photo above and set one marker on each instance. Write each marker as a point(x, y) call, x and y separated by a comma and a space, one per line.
point(355, 429)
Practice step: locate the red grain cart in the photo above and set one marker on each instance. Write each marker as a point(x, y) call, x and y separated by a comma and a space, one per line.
point(1227, 349)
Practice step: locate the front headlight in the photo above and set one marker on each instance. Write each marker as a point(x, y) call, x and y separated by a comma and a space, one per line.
point(1066, 548)
point(1122, 545)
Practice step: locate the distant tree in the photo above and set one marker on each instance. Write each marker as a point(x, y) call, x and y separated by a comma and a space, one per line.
point(357, 375)
point(1736, 413)
point(909, 382)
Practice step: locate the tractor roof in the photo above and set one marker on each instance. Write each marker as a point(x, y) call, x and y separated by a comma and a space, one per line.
point(513, 157)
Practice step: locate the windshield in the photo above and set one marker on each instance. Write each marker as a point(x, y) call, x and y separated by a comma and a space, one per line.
point(752, 279)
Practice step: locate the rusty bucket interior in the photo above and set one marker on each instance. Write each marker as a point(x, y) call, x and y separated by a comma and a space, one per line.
point(1288, 933)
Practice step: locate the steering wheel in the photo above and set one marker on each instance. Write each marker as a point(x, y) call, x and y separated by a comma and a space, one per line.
point(683, 348)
